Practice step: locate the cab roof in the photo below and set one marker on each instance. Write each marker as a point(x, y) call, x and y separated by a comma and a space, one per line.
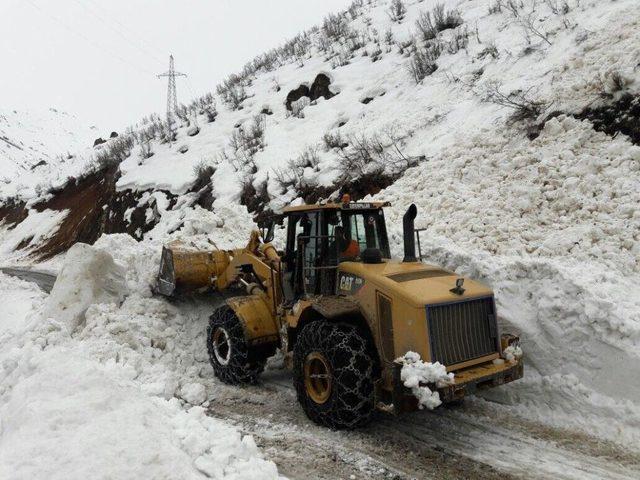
point(337, 206)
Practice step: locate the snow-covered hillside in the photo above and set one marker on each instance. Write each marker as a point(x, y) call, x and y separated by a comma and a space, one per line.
point(513, 125)
point(36, 145)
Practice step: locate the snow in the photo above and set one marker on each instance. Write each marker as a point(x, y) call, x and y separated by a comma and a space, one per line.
point(416, 374)
point(512, 353)
point(28, 138)
point(89, 276)
point(19, 302)
point(194, 393)
point(31, 232)
point(101, 399)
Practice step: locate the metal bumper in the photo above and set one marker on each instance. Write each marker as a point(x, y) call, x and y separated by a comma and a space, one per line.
point(481, 378)
point(467, 382)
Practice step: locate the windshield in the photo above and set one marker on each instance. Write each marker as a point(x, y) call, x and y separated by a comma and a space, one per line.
point(358, 230)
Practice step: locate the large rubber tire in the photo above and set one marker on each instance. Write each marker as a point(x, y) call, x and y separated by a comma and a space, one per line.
point(350, 401)
point(234, 364)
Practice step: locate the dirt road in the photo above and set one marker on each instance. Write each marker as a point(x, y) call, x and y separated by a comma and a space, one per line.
point(44, 280)
point(464, 442)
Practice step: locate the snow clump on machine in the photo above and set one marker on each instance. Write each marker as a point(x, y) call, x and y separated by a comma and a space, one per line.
point(417, 374)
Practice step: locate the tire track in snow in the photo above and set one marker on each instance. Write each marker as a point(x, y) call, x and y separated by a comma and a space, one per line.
point(509, 448)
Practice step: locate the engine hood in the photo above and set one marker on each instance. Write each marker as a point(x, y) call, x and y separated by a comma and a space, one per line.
point(418, 283)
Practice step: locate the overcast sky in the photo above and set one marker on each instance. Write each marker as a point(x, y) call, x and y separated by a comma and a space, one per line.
point(98, 59)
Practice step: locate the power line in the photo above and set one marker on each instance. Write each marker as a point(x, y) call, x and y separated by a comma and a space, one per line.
point(125, 33)
point(88, 40)
point(190, 87)
point(131, 31)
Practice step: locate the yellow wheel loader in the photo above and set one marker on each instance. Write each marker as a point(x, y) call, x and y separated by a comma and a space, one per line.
point(343, 313)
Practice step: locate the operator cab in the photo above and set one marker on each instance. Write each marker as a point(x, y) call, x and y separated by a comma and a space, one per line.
point(319, 237)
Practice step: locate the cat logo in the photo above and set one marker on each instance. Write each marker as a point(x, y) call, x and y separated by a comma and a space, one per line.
point(349, 284)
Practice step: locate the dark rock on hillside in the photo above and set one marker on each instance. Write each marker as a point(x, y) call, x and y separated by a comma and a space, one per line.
point(621, 116)
point(39, 164)
point(295, 95)
point(319, 88)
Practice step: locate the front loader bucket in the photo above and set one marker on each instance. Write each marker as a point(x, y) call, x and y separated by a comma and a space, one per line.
point(185, 269)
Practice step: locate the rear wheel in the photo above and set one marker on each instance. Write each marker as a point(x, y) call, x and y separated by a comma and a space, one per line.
point(333, 375)
point(229, 354)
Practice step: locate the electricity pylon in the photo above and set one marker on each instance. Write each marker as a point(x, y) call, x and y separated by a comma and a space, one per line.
point(172, 94)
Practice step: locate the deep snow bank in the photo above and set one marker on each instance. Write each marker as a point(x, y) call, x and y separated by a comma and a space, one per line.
point(88, 276)
point(73, 417)
point(110, 398)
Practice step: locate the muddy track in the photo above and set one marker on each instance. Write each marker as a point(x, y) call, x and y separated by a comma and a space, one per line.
point(463, 442)
point(303, 450)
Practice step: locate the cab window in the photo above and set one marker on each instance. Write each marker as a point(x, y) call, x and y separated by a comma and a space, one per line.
point(367, 228)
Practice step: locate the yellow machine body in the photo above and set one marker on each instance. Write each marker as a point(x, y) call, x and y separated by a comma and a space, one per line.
point(393, 300)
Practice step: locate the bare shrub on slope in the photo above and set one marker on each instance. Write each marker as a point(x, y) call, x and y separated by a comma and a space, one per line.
point(397, 11)
point(426, 27)
point(558, 7)
point(423, 61)
point(379, 153)
point(293, 177)
point(146, 150)
point(528, 20)
point(335, 27)
point(202, 172)
point(459, 41)
point(334, 140)
point(232, 93)
point(115, 153)
point(245, 142)
point(525, 108)
point(429, 24)
point(445, 20)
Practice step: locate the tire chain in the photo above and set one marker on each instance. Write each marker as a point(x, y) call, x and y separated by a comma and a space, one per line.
point(239, 370)
point(351, 403)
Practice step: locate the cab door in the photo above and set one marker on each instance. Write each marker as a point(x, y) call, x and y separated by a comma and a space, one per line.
point(301, 255)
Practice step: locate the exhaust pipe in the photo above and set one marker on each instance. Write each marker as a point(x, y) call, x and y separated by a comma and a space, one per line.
point(409, 234)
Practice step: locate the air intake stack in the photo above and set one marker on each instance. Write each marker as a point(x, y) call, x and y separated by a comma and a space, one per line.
point(409, 234)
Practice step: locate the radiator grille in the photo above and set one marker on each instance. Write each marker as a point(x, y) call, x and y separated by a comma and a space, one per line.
point(462, 331)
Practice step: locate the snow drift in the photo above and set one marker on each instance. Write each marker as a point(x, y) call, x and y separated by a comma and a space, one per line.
point(88, 276)
point(92, 387)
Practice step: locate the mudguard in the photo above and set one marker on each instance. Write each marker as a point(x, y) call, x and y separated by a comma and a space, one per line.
point(334, 306)
point(256, 315)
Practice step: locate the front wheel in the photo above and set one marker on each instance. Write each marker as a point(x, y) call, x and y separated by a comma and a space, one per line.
point(333, 375)
point(229, 353)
